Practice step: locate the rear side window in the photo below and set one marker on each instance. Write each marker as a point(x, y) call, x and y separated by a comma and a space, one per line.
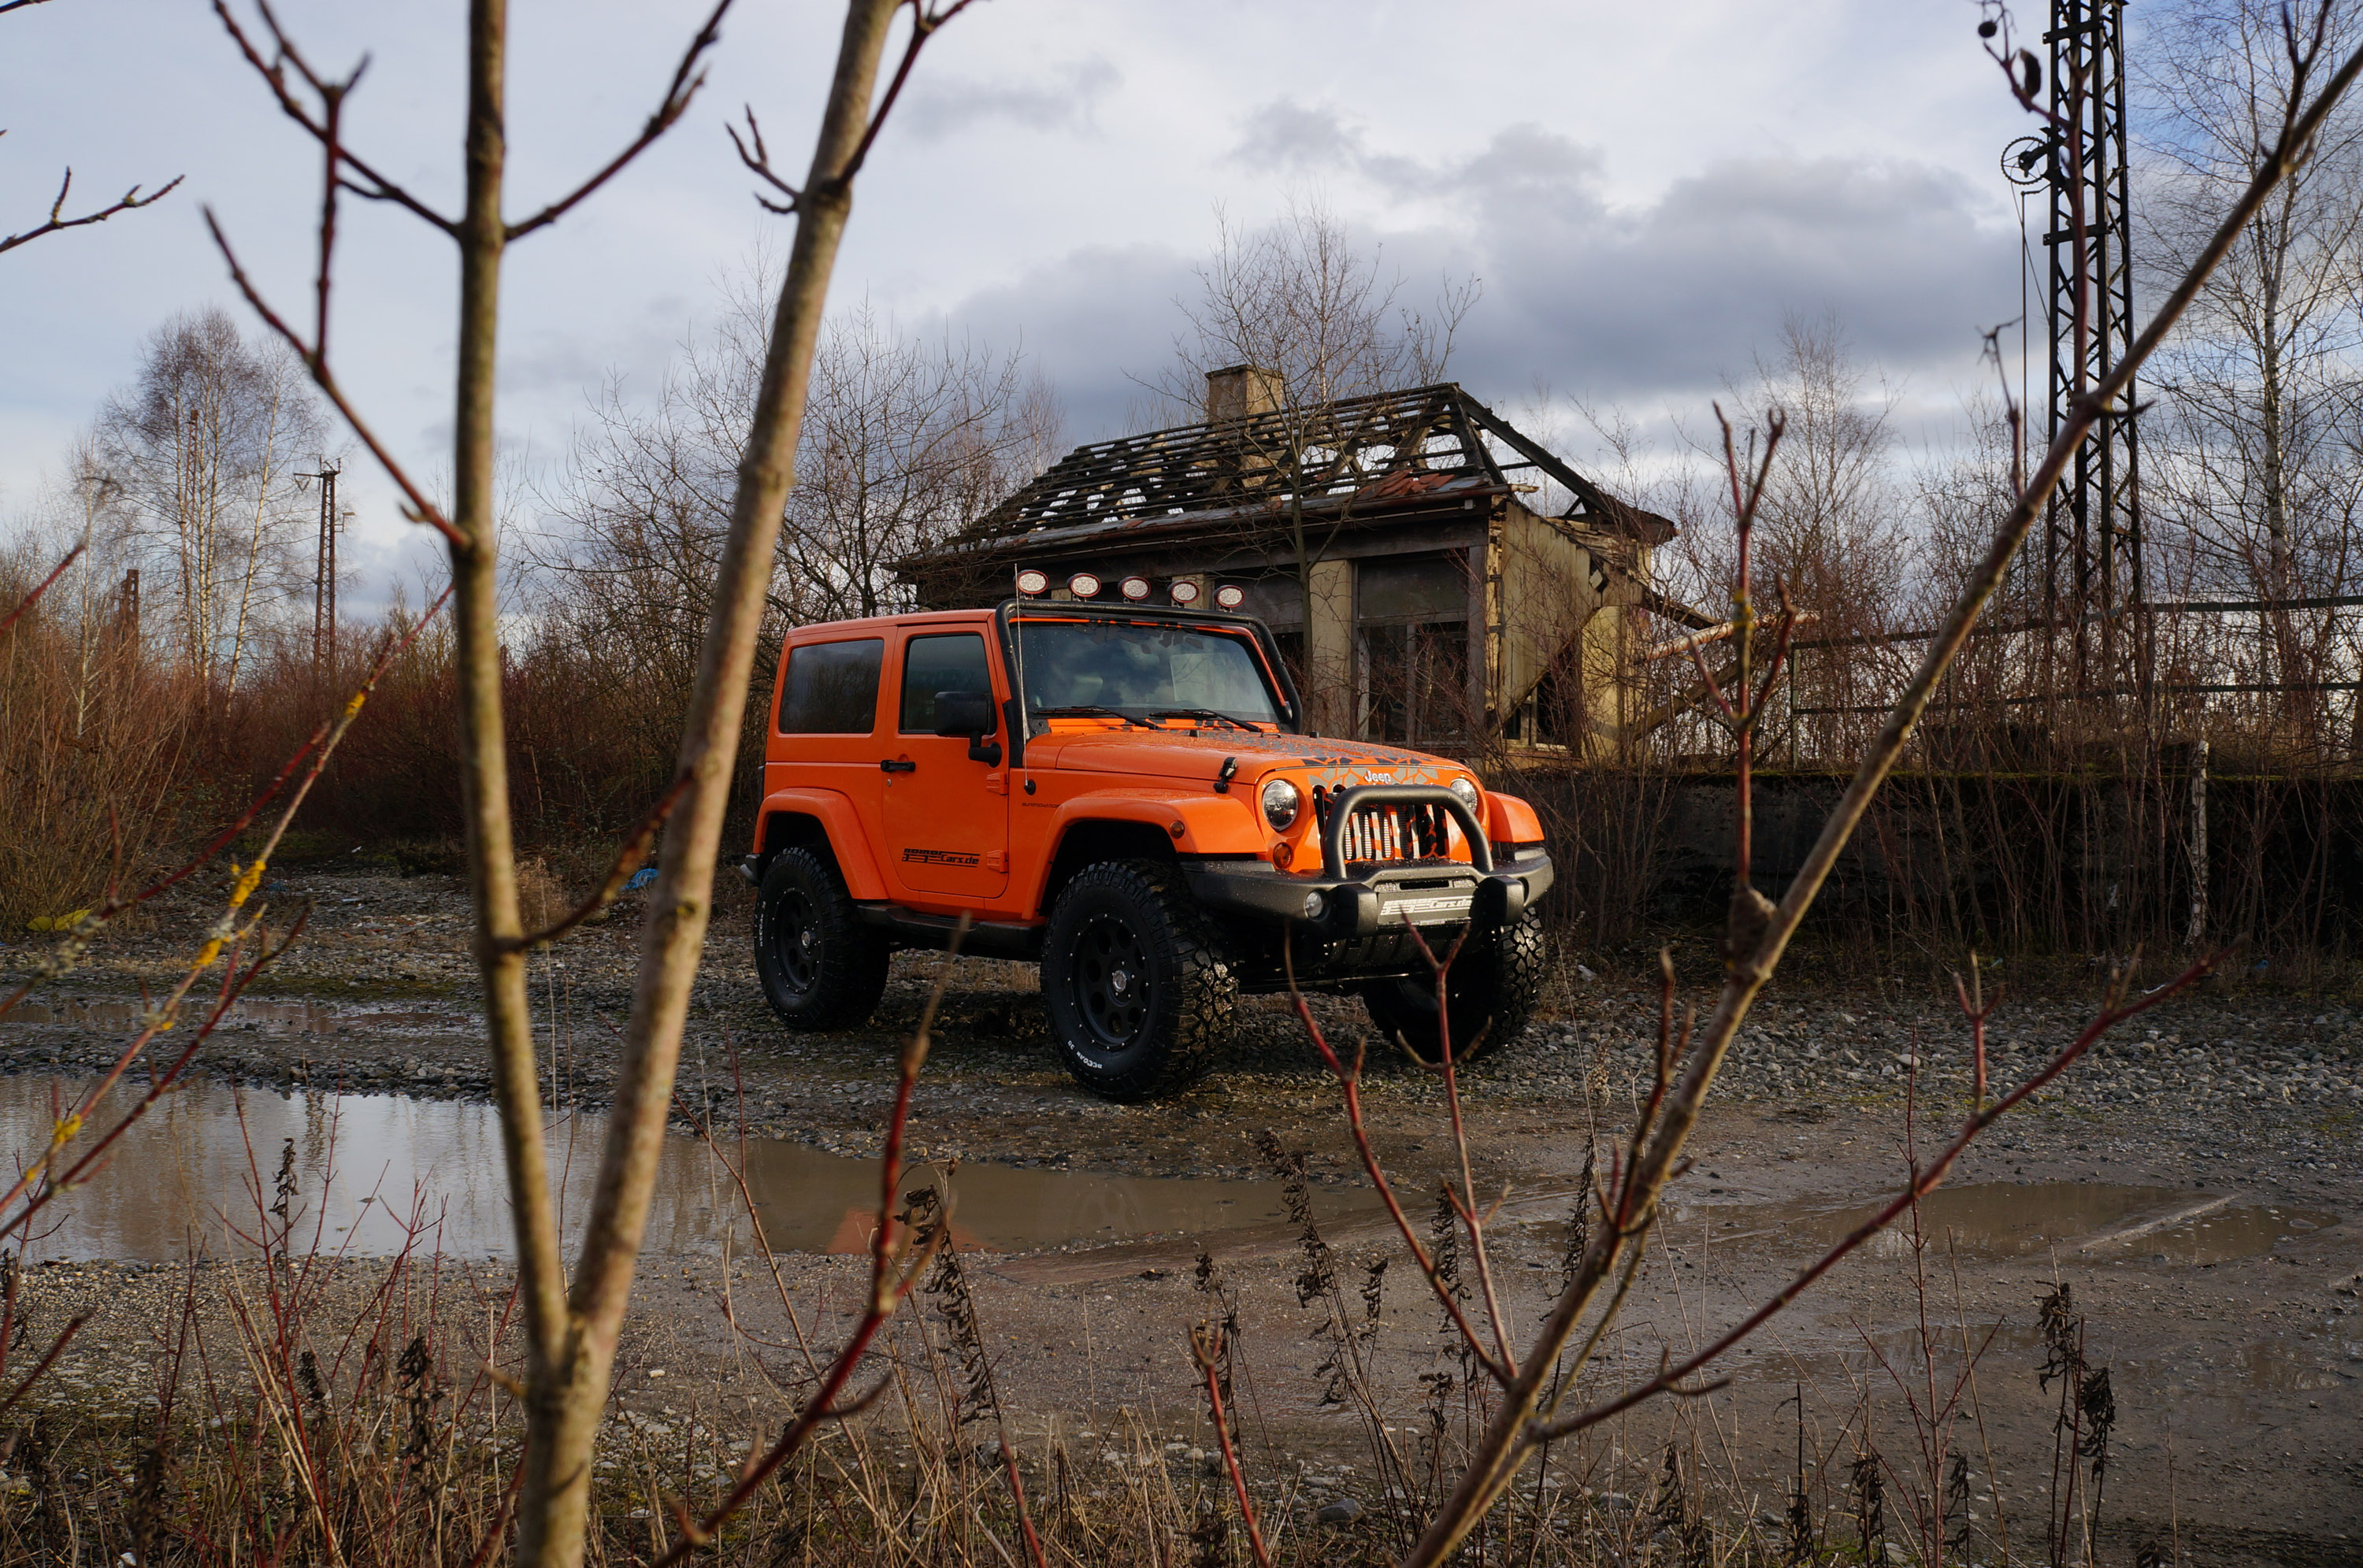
point(832, 688)
point(951, 663)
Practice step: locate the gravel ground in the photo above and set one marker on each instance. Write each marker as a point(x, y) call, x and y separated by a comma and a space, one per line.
point(2238, 1375)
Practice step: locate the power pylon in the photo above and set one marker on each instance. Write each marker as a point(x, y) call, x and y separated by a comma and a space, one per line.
point(2093, 583)
point(324, 569)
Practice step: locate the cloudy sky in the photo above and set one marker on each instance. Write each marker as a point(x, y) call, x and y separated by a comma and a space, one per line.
point(1643, 189)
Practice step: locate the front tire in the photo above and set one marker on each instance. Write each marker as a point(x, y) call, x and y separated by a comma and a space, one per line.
point(1139, 993)
point(1492, 989)
point(821, 968)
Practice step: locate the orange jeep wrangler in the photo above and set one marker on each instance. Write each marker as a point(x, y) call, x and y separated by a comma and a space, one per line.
point(1125, 794)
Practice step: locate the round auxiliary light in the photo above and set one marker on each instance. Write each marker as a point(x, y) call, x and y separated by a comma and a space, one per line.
point(1185, 592)
point(1317, 904)
point(1135, 587)
point(1282, 801)
point(1230, 596)
point(1083, 585)
point(1030, 582)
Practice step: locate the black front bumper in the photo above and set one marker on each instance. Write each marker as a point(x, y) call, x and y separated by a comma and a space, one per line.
point(1347, 901)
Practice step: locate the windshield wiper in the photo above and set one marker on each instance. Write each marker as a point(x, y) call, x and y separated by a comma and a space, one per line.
point(1204, 715)
point(1091, 710)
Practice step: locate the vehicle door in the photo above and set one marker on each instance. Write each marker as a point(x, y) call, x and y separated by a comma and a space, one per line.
point(947, 812)
point(830, 723)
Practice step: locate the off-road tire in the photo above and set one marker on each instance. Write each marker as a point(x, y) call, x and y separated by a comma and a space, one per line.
point(1139, 992)
point(821, 968)
point(1492, 989)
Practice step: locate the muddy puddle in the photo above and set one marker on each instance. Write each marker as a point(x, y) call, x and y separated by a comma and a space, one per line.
point(2094, 1222)
point(373, 1168)
point(268, 1018)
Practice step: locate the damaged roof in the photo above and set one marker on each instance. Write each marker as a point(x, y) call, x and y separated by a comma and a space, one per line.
point(1392, 447)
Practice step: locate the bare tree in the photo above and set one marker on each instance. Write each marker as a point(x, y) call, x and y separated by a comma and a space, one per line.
point(2258, 459)
point(203, 450)
point(906, 442)
point(573, 1320)
point(1312, 318)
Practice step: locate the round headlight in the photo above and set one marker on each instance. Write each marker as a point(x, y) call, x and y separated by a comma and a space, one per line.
point(1282, 801)
point(1466, 790)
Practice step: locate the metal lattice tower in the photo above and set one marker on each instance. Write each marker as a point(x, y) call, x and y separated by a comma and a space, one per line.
point(2093, 585)
point(324, 569)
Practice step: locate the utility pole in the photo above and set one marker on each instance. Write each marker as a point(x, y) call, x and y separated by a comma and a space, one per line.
point(324, 569)
point(2093, 585)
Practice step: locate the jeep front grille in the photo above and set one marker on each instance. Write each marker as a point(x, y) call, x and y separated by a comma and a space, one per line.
point(1388, 831)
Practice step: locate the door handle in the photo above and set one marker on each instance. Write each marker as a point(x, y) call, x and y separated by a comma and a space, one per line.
point(898, 765)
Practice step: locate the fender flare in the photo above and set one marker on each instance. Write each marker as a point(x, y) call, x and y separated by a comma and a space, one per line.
point(1207, 824)
point(1509, 819)
point(840, 823)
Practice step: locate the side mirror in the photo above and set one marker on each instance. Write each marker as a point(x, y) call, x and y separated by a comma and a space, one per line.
point(969, 714)
point(965, 713)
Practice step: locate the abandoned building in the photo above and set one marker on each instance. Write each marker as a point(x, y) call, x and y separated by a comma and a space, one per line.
point(1437, 578)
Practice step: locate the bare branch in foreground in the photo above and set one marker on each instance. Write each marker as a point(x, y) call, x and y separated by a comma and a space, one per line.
point(684, 88)
point(627, 860)
point(130, 201)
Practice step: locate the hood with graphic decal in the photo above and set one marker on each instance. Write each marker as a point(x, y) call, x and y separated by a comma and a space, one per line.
point(1200, 754)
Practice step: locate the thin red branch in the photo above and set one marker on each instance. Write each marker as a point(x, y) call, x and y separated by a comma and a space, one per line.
point(43, 587)
point(1206, 1356)
point(1351, 1082)
point(130, 201)
point(57, 1348)
point(627, 860)
point(1922, 1183)
point(274, 75)
point(420, 508)
point(677, 97)
point(891, 1280)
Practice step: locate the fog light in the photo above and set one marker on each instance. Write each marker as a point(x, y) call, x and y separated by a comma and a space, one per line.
point(1317, 904)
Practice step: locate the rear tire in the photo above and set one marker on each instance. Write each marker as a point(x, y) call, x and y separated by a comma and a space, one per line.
point(1139, 992)
point(821, 968)
point(1492, 989)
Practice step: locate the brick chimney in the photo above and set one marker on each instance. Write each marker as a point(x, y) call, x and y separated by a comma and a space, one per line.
point(1237, 391)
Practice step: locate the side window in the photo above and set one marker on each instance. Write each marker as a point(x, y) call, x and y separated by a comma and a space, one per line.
point(832, 688)
point(951, 663)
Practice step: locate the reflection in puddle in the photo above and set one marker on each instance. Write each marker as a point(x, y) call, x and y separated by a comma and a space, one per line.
point(1997, 1219)
point(183, 1177)
point(268, 1018)
point(275, 1018)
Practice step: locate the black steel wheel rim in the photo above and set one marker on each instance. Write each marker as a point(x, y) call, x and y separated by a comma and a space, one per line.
point(795, 943)
point(1112, 987)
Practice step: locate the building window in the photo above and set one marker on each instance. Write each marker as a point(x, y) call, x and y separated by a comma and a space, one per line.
point(1411, 650)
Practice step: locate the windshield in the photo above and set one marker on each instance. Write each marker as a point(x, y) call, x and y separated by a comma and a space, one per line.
point(1141, 671)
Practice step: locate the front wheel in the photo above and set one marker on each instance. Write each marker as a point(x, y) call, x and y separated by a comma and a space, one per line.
point(821, 968)
point(1492, 989)
point(1139, 994)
